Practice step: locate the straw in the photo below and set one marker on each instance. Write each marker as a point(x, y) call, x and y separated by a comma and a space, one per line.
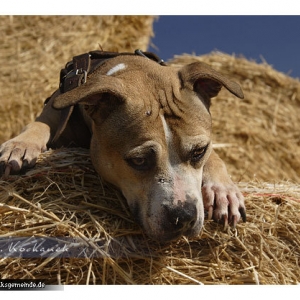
point(63, 196)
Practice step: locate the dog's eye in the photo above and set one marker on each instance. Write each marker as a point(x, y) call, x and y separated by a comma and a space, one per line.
point(198, 153)
point(141, 158)
point(139, 163)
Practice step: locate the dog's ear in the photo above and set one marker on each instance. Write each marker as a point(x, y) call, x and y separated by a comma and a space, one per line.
point(91, 92)
point(100, 93)
point(204, 80)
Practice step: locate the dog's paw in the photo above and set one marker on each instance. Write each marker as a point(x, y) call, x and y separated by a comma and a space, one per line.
point(224, 202)
point(17, 154)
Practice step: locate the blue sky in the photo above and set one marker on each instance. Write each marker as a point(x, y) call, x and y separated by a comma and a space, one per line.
point(275, 38)
point(253, 28)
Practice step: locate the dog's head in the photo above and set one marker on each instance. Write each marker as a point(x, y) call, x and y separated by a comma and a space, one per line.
point(152, 137)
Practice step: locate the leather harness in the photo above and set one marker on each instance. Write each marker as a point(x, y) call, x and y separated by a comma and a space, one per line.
point(75, 74)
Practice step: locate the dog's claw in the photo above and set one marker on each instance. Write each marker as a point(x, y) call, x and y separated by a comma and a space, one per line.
point(2, 168)
point(7, 171)
point(234, 221)
point(243, 214)
point(225, 221)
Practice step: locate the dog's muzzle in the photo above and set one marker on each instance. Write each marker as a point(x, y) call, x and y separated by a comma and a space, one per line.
point(179, 218)
point(171, 221)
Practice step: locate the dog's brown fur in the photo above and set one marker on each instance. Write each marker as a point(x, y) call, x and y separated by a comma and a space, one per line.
point(150, 131)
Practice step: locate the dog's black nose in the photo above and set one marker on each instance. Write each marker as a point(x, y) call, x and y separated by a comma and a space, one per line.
point(182, 216)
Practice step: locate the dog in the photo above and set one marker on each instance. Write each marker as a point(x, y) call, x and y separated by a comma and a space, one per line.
point(148, 127)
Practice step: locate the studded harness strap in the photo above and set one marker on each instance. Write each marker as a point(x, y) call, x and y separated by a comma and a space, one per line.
point(75, 74)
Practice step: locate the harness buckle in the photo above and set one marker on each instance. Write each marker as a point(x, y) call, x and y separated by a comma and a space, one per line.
point(72, 80)
point(80, 72)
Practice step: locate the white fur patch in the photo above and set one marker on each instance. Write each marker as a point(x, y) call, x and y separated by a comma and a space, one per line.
point(167, 131)
point(116, 69)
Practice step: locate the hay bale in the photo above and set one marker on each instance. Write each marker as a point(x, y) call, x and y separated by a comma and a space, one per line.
point(64, 197)
point(58, 198)
point(35, 48)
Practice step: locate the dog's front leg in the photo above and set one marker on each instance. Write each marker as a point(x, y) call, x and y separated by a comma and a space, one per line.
point(222, 198)
point(22, 151)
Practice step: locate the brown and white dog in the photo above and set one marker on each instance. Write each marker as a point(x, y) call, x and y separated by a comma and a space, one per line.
point(149, 130)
